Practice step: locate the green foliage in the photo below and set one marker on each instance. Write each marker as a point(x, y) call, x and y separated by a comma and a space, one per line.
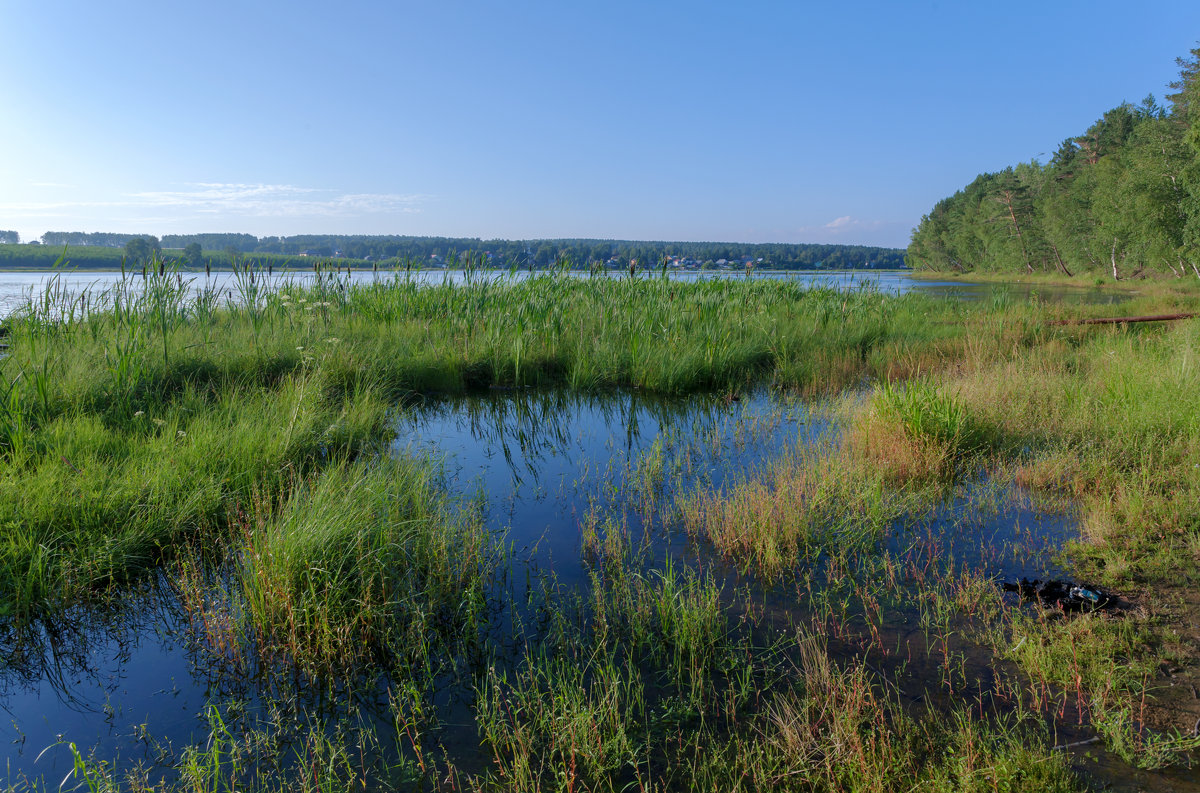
point(1138, 746)
point(928, 413)
point(149, 425)
point(140, 250)
point(1120, 198)
point(45, 257)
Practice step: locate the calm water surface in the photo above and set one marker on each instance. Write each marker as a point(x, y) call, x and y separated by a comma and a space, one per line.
point(15, 287)
point(132, 684)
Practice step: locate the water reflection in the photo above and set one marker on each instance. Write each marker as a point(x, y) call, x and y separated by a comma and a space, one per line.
point(133, 678)
point(540, 461)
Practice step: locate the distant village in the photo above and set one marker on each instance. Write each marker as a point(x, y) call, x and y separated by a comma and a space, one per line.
point(613, 263)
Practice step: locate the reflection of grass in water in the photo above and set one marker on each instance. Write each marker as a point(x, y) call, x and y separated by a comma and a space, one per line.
point(1099, 420)
point(95, 371)
point(139, 426)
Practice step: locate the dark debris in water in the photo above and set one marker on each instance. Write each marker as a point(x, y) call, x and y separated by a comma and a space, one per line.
point(1067, 595)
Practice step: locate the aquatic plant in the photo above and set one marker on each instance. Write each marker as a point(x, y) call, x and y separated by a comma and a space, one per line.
point(145, 421)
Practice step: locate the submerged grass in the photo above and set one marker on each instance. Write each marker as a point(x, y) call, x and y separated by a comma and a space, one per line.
point(141, 423)
point(163, 414)
point(1107, 417)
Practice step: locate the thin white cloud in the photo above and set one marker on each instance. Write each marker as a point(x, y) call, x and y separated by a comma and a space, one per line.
point(848, 223)
point(277, 200)
point(244, 200)
point(37, 209)
point(849, 230)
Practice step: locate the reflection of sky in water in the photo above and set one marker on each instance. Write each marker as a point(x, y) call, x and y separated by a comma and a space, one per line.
point(94, 684)
point(541, 459)
point(537, 462)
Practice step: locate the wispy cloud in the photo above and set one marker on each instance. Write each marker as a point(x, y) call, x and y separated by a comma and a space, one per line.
point(848, 223)
point(276, 200)
point(850, 230)
point(245, 200)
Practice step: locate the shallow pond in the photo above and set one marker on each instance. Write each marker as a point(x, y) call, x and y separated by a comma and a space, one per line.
point(132, 684)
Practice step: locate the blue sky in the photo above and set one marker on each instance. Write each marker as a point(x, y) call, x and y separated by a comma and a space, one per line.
point(739, 121)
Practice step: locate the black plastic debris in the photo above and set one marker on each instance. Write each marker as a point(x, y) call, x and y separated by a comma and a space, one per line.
point(1066, 595)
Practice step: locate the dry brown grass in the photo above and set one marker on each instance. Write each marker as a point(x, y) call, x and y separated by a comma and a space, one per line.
point(881, 445)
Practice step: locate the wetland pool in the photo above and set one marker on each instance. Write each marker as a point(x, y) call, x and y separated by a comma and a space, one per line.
point(133, 683)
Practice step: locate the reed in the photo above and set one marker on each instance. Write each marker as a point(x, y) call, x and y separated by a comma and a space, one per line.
point(142, 421)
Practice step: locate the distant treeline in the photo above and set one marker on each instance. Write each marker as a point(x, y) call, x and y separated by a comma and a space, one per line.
point(1122, 199)
point(500, 253)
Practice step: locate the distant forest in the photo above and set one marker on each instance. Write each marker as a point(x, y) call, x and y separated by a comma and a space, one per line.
point(102, 250)
point(1122, 200)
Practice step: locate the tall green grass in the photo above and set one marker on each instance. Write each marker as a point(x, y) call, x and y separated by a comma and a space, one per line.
point(143, 421)
point(142, 414)
point(365, 567)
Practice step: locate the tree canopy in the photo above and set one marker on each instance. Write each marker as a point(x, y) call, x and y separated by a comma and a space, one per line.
point(577, 253)
point(1123, 198)
point(139, 249)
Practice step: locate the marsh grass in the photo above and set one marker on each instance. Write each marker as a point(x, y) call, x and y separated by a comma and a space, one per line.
point(1106, 418)
point(141, 424)
point(364, 562)
point(324, 758)
point(816, 507)
point(929, 415)
point(163, 412)
point(798, 720)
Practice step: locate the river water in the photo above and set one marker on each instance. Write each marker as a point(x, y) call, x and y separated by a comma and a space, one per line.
point(16, 287)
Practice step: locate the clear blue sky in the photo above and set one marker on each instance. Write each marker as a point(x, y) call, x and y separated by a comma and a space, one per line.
point(738, 121)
